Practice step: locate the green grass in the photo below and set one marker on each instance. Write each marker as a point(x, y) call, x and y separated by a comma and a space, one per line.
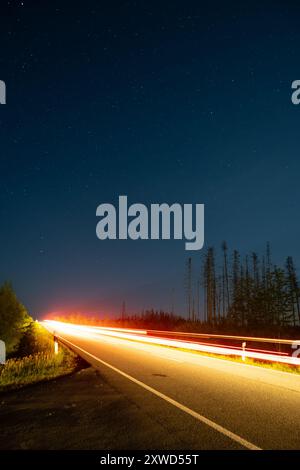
point(39, 366)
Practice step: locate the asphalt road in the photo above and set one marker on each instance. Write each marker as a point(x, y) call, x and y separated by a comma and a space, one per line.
point(201, 402)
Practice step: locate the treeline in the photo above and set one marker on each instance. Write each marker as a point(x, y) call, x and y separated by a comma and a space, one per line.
point(147, 319)
point(228, 294)
point(246, 292)
point(14, 318)
point(21, 334)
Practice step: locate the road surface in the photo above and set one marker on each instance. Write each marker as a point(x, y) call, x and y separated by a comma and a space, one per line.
point(202, 402)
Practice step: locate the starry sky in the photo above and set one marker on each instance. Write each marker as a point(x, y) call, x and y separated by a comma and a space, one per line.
point(161, 101)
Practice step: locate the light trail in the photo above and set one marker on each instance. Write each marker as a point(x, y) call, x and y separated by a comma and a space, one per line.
point(142, 336)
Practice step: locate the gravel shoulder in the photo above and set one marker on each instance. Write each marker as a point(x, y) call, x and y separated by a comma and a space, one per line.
point(79, 411)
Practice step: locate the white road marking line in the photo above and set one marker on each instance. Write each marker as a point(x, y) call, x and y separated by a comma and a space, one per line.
point(203, 419)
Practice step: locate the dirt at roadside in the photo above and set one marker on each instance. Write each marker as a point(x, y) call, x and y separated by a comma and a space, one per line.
point(80, 411)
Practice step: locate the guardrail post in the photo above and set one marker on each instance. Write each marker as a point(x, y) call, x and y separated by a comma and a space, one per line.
point(55, 345)
point(244, 351)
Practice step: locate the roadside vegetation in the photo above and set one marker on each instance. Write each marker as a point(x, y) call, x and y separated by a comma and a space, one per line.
point(35, 368)
point(30, 348)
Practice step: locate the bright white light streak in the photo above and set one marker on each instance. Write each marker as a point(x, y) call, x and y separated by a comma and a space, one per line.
point(141, 336)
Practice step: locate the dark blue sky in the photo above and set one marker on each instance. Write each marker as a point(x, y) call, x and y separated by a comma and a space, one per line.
point(164, 102)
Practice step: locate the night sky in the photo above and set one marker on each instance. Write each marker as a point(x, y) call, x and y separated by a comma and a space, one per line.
point(161, 101)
